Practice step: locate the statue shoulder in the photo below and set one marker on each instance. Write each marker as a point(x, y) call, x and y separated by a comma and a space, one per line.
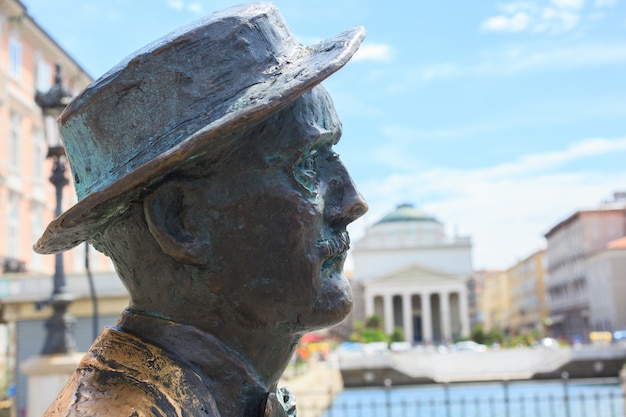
point(123, 376)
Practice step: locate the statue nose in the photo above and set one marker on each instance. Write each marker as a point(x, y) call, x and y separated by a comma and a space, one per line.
point(349, 204)
point(355, 207)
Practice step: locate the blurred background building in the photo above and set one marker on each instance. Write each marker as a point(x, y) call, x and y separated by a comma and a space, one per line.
point(513, 301)
point(571, 244)
point(570, 289)
point(411, 274)
point(28, 56)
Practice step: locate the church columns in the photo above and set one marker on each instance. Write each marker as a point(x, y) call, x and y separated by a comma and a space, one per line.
point(427, 320)
point(442, 317)
point(407, 317)
point(369, 304)
point(465, 327)
point(388, 313)
point(446, 328)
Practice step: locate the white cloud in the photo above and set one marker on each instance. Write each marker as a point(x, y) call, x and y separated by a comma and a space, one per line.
point(515, 60)
point(515, 23)
point(193, 7)
point(555, 16)
point(533, 163)
point(557, 20)
point(176, 4)
point(569, 4)
point(517, 6)
point(505, 208)
point(373, 52)
point(605, 3)
point(435, 71)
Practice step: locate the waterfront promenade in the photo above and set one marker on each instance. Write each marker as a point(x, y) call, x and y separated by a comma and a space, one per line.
point(319, 392)
point(372, 367)
point(314, 388)
point(597, 397)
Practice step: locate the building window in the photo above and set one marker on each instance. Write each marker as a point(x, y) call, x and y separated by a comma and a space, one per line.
point(39, 149)
point(15, 121)
point(15, 57)
point(43, 76)
point(36, 217)
point(13, 226)
point(78, 257)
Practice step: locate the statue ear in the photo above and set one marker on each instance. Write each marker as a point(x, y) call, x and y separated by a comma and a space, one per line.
point(171, 212)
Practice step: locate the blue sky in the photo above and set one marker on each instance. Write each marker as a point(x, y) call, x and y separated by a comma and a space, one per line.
point(500, 118)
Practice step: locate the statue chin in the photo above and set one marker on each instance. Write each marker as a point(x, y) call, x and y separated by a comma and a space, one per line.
point(334, 302)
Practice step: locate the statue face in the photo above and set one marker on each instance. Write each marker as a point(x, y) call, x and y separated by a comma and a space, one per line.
point(279, 208)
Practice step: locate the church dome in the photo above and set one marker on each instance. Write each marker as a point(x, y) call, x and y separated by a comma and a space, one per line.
point(407, 213)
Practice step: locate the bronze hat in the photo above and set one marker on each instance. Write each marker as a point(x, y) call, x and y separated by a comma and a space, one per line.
point(176, 99)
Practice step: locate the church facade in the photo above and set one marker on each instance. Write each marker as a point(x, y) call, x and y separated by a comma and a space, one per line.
point(413, 276)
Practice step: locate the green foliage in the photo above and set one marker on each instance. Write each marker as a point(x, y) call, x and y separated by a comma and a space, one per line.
point(374, 335)
point(495, 336)
point(370, 331)
point(374, 322)
point(397, 335)
point(478, 335)
point(529, 338)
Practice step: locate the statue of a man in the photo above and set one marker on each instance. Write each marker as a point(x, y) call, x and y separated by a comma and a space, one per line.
point(204, 168)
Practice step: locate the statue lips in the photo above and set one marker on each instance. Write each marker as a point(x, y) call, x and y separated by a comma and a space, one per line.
point(334, 248)
point(334, 294)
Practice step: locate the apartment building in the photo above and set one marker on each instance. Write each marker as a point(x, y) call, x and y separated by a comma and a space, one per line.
point(606, 271)
point(496, 302)
point(528, 310)
point(28, 56)
point(570, 244)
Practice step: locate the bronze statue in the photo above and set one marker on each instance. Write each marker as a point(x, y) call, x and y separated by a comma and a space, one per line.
point(204, 167)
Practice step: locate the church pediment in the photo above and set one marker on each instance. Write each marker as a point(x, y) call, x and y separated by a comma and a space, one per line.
point(415, 275)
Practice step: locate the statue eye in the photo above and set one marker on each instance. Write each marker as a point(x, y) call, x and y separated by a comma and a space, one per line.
point(305, 171)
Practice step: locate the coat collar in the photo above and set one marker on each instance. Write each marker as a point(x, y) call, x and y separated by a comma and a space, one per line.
point(233, 381)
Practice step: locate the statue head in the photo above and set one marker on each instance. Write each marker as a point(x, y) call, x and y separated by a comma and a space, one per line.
point(204, 167)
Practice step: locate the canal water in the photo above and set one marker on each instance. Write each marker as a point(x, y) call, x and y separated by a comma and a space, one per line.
point(563, 398)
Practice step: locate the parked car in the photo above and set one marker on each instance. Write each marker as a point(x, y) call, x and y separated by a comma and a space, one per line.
point(619, 336)
point(469, 345)
point(549, 342)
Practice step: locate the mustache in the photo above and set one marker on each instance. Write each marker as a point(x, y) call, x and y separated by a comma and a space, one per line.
point(334, 246)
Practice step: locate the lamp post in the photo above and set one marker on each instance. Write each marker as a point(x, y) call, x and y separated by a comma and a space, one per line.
point(60, 326)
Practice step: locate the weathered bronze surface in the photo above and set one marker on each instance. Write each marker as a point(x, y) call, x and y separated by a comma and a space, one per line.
point(205, 169)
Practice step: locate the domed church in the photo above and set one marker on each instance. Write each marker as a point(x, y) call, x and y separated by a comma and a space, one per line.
point(408, 272)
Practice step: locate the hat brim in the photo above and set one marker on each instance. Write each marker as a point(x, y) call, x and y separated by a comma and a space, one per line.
point(255, 104)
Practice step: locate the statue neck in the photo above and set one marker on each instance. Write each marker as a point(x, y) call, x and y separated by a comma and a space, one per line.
point(261, 353)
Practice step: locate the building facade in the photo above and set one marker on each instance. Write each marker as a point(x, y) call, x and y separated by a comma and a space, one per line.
point(606, 271)
point(477, 296)
point(570, 244)
point(528, 310)
point(496, 302)
point(407, 271)
point(28, 57)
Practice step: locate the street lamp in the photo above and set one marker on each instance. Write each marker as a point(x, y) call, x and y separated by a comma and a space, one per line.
point(60, 326)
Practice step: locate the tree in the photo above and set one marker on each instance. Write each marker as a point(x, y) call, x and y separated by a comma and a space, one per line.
point(374, 322)
point(369, 332)
point(397, 335)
